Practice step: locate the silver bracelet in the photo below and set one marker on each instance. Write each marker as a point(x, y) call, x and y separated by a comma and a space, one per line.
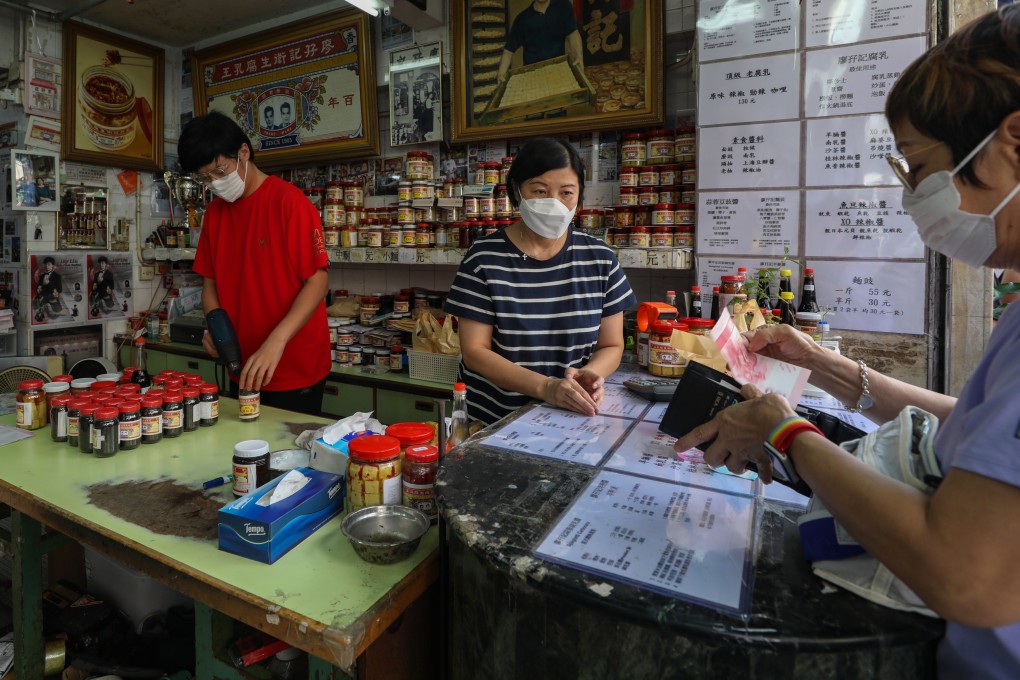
point(864, 402)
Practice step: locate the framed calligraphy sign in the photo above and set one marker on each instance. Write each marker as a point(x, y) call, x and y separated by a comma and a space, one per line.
point(580, 65)
point(304, 92)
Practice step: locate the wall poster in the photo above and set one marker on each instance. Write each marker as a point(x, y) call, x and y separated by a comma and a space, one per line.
point(58, 287)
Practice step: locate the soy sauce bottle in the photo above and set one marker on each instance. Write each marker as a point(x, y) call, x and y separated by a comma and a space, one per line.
point(140, 376)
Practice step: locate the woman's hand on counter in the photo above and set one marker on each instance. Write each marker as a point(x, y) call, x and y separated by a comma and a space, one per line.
point(568, 393)
point(592, 382)
point(261, 365)
point(740, 432)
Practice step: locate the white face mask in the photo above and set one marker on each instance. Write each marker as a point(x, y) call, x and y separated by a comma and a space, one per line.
point(934, 205)
point(231, 187)
point(547, 217)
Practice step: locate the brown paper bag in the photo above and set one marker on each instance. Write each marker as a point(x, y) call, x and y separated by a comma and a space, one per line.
point(448, 341)
point(740, 312)
point(698, 348)
point(426, 333)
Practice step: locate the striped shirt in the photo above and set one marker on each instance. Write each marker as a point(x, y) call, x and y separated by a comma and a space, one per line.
point(545, 315)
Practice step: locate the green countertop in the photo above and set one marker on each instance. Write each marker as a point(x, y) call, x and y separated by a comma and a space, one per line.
point(349, 374)
point(321, 581)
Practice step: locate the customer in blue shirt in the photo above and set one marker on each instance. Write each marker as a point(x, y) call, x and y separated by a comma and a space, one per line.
point(955, 114)
point(540, 305)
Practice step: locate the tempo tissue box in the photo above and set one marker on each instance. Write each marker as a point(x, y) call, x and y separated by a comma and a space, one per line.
point(266, 532)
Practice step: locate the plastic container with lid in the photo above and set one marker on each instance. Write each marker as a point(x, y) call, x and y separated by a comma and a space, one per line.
point(660, 146)
point(698, 326)
point(152, 419)
point(628, 196)
point(86, 417)
point(63, 378)
point(30, 405)
point(249, 404)
point(130, 425)
point(411, 434)
point(173, 414)
point(634, 150)
point(648, 196)
point(373, 471)
point(105, 432)
point(418, 479)
point(685, 144)
point(81, 385)
point(808, 322)
point(648, 175)
point(664, 360)
point(370, 306)
point(663, 214)
point(250, 465)
point(640, 237)
point(59, 407)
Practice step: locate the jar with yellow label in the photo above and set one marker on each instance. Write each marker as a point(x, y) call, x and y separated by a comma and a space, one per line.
point(404, 191)
point(683, 236)
point(373, 471)
point(628, 177)
point(503, 206)
point(30, 405)
point(660, 146)
point(633, 151)
point(470, 206)
point(354, 194)
point(640, 237)
point(664, 360)
point(629, 196)
point(648, 196)
point(684, 144)
point(417, 166)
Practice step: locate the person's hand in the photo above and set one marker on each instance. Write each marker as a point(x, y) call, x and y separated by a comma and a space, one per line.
point(209, 345)
point(783, 342)
point(569, 394)
point(259, 368)
point(593, 383)
point(739, 432)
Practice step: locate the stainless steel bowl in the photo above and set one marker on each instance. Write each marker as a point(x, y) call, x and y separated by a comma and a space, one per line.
point(384, 534)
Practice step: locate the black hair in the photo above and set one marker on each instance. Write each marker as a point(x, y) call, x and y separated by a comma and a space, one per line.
point(268, 110)
point(49, 260)
point(285, 104)
point(102, 259)
point(206, 138)
point(538, 157)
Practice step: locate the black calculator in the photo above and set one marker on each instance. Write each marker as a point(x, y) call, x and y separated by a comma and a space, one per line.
point(653, 389)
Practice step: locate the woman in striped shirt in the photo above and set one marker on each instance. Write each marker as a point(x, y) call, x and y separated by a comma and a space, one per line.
point(540, 305)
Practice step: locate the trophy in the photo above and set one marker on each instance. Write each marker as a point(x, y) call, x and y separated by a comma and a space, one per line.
point(189, 194)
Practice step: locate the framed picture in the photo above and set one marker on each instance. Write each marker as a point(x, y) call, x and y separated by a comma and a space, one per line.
point(517, 73)
point(42, 85)
point(43, 133)
point(8, 134)
point(35, 180)
point(416, 94)
point(113, 99)
point(303, 92)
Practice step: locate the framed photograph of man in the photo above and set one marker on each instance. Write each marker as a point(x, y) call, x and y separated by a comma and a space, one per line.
point(416, 94)
point(113, 99)
point(35, 180)
point(526, 67)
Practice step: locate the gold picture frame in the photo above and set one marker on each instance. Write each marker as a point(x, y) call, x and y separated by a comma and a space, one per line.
point(605, 75)
point(112, 99)
point(318, 75)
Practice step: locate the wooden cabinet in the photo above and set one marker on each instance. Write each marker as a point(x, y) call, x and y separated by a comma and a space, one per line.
point(342, 399)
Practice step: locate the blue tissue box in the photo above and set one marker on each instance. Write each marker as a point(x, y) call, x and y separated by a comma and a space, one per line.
point(266, 533)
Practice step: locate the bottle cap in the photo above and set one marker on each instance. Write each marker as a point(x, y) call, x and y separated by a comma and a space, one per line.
point(808, 271)
point(251, 448)
point(786, 295)
point(459, 387)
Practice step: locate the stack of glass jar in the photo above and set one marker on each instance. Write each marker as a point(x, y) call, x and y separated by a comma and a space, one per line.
point(657, 190)
point(342, 212)
point(102, 417)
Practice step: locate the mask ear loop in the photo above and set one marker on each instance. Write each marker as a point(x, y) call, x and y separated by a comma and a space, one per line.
point(1009, 197)
point(974, 152)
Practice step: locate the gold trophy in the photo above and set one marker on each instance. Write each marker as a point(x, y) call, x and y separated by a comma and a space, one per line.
point(190, 194)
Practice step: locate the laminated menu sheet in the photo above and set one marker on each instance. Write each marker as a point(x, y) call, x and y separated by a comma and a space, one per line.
point(683, 541)
point(550, 432)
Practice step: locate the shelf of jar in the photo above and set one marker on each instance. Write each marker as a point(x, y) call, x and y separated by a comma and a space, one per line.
point(633, 258)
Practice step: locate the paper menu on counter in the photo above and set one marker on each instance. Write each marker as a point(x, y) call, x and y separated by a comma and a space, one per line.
point(765, 373)
point(620, 401)
point(656, 411)
point(550, 432)
point(646, 451)
point(682, 541)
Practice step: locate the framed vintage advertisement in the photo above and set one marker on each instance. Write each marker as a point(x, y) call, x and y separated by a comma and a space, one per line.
point(43, 133)
point(113, 99)
point(42, 85)
point(416, 94)
point(579, 66)
point(35, 180)
point(303, 92)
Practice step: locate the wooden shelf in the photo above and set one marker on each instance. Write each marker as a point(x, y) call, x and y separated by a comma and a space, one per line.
point(631, 258)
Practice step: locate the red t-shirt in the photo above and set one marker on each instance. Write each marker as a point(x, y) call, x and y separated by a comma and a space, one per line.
point(259, 250)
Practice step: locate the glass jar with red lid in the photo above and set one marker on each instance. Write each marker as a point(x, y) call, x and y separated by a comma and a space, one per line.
point(411, 434)
point(373, 471)
point(418, 479)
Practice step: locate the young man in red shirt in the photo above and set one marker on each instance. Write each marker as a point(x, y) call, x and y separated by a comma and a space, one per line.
point(264, 261)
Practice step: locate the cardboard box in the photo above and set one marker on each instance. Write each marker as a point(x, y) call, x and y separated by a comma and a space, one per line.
point(266, 533)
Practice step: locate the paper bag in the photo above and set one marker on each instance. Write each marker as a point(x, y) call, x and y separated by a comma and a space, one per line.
point(426, 332)
point(741, 312)
point(698, 348)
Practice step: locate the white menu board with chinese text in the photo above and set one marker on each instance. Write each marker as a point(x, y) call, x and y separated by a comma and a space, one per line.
point(749, 156)
point(550, 432)
point(865, 223)
point(841, 23)
point(750, 90)
point(856, 79)
point(885, 297)
point(727, 29)
point(756, 222)
point(710, 269)
point(682, 541)
point(849, 152)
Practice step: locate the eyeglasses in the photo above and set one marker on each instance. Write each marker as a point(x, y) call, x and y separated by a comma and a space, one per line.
point(901, 169)
point(219, 172)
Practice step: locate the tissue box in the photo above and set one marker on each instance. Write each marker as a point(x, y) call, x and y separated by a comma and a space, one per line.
point(266, 533)
point(333, 457)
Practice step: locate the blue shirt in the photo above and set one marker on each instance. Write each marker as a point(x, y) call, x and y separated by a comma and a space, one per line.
point(542, 34)
point(545, 314)
point(982, 435)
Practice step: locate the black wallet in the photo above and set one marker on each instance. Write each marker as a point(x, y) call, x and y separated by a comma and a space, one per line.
point(704, 391)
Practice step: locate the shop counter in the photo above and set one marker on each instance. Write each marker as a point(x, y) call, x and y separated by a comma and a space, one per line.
point(320, 597)
point(515, 614)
